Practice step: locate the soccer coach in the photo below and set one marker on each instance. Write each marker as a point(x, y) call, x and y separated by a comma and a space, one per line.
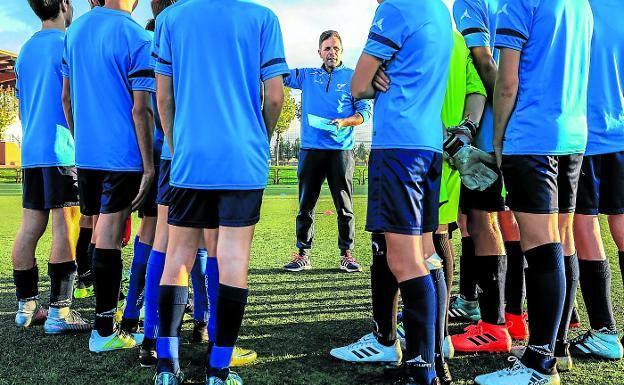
point(329, 115)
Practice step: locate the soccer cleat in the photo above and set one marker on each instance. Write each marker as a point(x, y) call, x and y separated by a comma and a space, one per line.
point(116, 341)
point(575, 320)
point(448, 350)
point(147, 353)
point(349, 264)
point(517, 326)
point(443, 372)
point(602, 344)
point(200, 332)
point(223, 377)
point(61, 321)
point(464, 310)
point(168, 378)
point(517, 374)
point(298, 263)
point(29, 312)
point(242, 357)
point(483, 337)
point(82, 291)
point(367, 349)
point(564, 360)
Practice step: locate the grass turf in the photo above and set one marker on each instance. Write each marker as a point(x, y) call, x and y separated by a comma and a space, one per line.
point(292, 321)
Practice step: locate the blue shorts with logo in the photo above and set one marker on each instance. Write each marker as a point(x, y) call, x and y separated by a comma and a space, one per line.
point(403, 191)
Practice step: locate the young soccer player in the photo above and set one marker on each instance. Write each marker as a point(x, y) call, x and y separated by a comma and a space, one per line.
point(113, 141)
point(238, 46)
point(49, 186)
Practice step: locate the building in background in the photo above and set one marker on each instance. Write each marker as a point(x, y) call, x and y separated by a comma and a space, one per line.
point(7, 69)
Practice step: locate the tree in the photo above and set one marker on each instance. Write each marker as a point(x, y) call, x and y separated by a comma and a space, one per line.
point(288, 114)
point(296, 148)
point(8, 108)
point(361, 153)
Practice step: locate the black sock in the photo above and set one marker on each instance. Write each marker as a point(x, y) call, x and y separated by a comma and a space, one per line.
point(514, 282)
point(304, 252)
point(442, 299)
point(62, 276)
point(420, 310)
point(230, 311)
point(595, 279)
point(82, 250)
point(107, 268)
point(91, 252)
point(467, 279)
point(26, 283)
point(571, 263)
point(545, 299)
point(385, 293)
point(491, 280)
point(171, 305)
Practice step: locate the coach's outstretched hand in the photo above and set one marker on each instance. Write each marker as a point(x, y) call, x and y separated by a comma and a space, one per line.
point(146, 181)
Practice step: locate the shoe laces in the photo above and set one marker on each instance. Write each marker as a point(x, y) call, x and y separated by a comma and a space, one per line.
point(298, 258)
point(516, 366)
point(473, 330)
point(348, 258)
point(582, 338)
point(74, 316)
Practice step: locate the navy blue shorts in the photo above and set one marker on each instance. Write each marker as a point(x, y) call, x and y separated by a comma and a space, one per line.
point(490, 200)
point(149, 208)
point(46, 188)
point(403, 191)
point(107, 192)
point(209, 209)
point(601, 185)
point(163, 197)
point(542, 184)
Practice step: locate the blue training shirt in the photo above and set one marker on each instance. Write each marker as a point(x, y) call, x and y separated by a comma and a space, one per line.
point(106, 58)
point(46, 139)
point(326, 96)
point(414, 39)
point(476, 20)
point(554, 37)
point(217, 53)
point(605, 97)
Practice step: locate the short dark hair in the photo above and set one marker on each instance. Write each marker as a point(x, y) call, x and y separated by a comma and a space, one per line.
point(329, 34)
point(46, 9)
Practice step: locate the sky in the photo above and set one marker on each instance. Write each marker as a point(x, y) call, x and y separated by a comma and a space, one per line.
point(302, 22)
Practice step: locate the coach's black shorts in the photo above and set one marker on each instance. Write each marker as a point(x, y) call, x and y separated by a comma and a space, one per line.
point(403, 191)
point(163, 197)
point(542, 184)
point(601, 185)
point(149, 207)
point(46, 188)
point(490, 200)
point(209, 209)
point(107, 192)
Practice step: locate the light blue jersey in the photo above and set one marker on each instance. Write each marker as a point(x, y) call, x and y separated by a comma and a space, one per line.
point(326, 96)
point(554, 37)
point(218, 53)
point(106, 58)
point(476, 20)
point(414, 39)
point(605, 97)
point(46, 140)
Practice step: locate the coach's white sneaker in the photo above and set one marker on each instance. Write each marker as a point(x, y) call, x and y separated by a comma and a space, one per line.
point(518, 374)
point(367, 350)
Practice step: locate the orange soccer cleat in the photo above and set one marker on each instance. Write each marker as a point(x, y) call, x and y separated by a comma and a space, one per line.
point(483, 338)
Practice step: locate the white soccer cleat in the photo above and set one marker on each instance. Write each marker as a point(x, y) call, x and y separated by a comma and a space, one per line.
point(518, 374)
point(368, 350)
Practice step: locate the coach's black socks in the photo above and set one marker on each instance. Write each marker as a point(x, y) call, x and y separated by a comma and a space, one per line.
point(439, 281)
point(107, 268)
point(545, 300)
point(571, 264)
point(491, 279)
point(137, 280)
point(419, 320)
point(467, 269)
point(62, 277)
point(514, 281)
point(230, 311)
point(385, 293)
point(26, 283)
point(82, 250)
point(595, 277)
point(171, 304)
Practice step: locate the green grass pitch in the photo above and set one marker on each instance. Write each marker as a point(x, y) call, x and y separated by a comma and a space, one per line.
point(292, 321)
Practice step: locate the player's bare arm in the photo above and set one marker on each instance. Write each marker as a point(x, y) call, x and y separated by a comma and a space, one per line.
point(505, 95)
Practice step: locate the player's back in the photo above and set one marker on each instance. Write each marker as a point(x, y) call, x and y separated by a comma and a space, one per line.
point(217, 53)
point(554, 37)
point(408, 115)
point(46, 140)
point(107, 57)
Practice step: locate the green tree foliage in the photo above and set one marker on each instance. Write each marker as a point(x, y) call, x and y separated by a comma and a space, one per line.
point(361, 153)
point(289, 112)
point(8, 108)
